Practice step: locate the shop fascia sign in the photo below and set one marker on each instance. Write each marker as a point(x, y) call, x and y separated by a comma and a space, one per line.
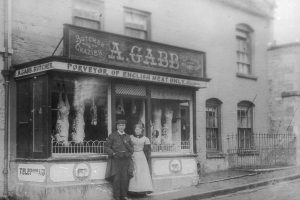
point(107, 72)
point(130, 53)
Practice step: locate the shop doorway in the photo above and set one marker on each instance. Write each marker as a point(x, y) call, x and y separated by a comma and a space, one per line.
point(133, 110)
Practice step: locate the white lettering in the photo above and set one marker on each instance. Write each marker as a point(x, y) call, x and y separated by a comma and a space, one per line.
point(150, 57)
point(174, 63)
point(136, 58)
point(115, 50)
point(163, 59)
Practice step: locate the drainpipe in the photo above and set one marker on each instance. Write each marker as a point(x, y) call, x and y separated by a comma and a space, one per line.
point(6, 75)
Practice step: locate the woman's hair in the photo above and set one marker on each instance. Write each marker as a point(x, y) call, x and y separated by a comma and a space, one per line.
point(138, 126)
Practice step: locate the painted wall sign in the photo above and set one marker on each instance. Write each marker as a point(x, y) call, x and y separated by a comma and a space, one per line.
point(102, 47)
point(88, 69)
point(31, 172)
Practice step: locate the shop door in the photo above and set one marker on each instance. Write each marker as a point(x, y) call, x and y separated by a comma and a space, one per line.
point(133, 110)
point(32, 119)
point(131, 104)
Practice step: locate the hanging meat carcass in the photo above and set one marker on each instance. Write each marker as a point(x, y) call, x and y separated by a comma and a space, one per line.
point(142, 114)
point(62, 123)
point(167, 127)
point(133, 107)
point(93, 112)
point(156, 132)
point(78, 125)
point(120, 108)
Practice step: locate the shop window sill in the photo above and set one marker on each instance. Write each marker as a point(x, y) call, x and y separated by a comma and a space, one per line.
point(172, 154)
point(69, 158)
point(215, 155)
point(246, 76)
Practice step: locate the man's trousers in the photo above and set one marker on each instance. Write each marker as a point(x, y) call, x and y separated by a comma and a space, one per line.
point(121, 178)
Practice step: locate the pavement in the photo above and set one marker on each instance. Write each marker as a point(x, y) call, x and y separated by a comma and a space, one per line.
point(229, 181)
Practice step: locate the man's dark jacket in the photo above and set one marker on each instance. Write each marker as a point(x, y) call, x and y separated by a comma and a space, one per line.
point(117, 147)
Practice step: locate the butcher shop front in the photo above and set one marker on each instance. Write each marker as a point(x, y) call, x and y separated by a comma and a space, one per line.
point(68, 105)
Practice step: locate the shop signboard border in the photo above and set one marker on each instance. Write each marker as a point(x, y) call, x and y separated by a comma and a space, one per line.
point(107, 72)
point(132, 54)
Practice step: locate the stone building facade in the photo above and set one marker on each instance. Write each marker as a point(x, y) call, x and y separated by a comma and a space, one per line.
point(283, 62)
point(234, 36)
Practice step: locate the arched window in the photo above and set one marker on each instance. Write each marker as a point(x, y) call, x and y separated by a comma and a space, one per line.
point(245, 125)
point(244, 37)
point(213, 125)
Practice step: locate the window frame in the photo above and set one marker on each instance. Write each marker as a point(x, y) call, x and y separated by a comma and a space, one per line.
point(244, 34)
point(91, 11)
point(132, 26)
point(98, 22)
point(215, 104)
point(249, 106)
point(148, 100)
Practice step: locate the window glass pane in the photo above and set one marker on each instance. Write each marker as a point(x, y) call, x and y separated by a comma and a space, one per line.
point(212, 130)
point(136, 24)
point(135, 33)
point(170, 125)
point(24, 129)
point(39, 112)
point(245, 135)
point(136, 20)
point(243, 52)
point(79, 111)
point(87, 23)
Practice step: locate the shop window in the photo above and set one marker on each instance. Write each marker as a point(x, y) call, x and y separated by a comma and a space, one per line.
point(170, 121)
point(79, 115)
point(213, 125)
point(245, 125)
point(166, 116)
point(61, 116)
point(137, 23)
point(244, 36)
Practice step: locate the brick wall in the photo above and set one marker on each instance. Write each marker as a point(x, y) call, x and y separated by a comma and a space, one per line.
point(284, 80)
point(38, 27)
point(284, 74)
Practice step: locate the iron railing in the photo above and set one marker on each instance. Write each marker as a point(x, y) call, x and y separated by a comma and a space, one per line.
point(96, 147)
point(183, 147)
point(263, 150)
point(86, 147)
